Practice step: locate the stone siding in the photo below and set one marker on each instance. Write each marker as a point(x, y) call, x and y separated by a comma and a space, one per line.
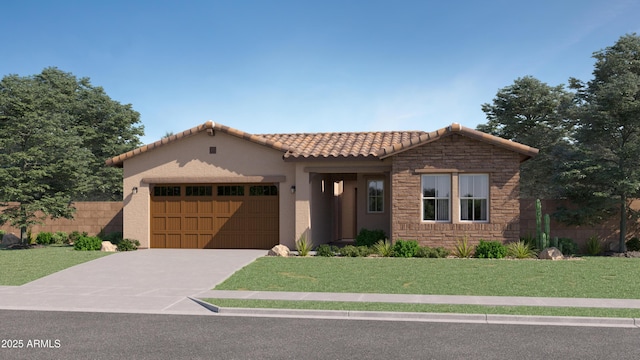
point(455, 155)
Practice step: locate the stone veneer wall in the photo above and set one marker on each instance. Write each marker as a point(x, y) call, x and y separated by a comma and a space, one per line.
point(455, 154)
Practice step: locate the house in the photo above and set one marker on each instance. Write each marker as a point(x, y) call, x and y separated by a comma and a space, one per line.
point(213, 186)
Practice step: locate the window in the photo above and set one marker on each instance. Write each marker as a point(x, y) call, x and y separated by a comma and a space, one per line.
point(231, 190)
point(474, 197)
point(263, 190)
point(375, 196)
point(166, 191)
point(436, 197)
point(198, 190)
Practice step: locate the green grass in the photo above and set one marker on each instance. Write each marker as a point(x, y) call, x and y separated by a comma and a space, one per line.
point(433, 308)
point(18, 267)
point(589, 277)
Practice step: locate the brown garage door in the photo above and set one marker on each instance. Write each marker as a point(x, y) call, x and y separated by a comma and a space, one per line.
point(214, 216)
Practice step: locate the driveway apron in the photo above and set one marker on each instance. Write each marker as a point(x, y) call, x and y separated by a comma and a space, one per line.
point(143, 281)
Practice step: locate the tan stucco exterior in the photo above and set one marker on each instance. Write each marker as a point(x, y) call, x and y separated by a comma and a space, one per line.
point(190, 160)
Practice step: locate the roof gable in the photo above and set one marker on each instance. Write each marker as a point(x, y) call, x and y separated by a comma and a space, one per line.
point(455, 128)
point(346, 145)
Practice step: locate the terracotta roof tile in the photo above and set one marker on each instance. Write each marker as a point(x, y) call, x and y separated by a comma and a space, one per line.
point(356, 145)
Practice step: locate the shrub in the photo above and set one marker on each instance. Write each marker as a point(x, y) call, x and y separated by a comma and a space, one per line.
point(520, 250)
point(633, 244)
point(60, 237)
point(326, 250)
point(593, 245)
point(463, 249)
point(428, 252)
point(383, 248)
point(405, 248)
point(567, 246)
point(44, 238)
point(128, 245)
point(303, 246)
point(75, 235)
point(87, 243)
point(369, 237)
point(490, 250)
point(349, 251)
point(425, 252)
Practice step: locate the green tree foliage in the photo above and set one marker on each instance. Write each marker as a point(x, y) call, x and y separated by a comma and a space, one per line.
point(533, 113)
point(55, 133)
point(605, 173)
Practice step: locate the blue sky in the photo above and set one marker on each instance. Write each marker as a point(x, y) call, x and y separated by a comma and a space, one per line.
point(309, 66)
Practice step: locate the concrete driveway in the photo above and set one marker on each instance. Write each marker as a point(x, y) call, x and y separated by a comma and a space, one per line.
point(143, 281)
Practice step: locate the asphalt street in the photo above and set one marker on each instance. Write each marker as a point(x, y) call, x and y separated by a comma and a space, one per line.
point(77, 335)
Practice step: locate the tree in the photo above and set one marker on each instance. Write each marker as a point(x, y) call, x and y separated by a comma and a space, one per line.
point(605, 174)
point(533, 113)
point(55, 133)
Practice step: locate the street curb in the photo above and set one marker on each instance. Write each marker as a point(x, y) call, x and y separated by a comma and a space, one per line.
point(426, 317)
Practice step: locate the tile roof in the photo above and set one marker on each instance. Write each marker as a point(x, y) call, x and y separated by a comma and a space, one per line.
point(340, 144)
point(354, 145)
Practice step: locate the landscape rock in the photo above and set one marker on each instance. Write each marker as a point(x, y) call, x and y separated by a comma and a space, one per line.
point(551, 253)
point(279, 250)
point(108, 247)
point(9, 239)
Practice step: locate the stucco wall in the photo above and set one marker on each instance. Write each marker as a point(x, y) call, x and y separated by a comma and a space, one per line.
point(190, 158)
point(451, 155)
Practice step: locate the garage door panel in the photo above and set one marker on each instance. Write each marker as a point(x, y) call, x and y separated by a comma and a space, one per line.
point(189, 241)
point(190, 223)
point(158, 241)
point(173, 207)
point(173, 241)
point(205, 224)
point(159, 223)
point(174, 223)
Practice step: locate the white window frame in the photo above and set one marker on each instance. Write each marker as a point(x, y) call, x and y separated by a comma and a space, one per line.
point(446, 178)
point(477, 194)
point(378, 197)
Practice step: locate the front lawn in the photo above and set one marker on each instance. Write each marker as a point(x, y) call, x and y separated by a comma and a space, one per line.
point(18, 267)
point(589, 277)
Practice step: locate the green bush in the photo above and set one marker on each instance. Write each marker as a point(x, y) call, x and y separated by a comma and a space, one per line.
point(60, 237)
point(405, 248)
point(349, 251)
point(87, 243)
point(355, 251)
point(383, 248)
point(369, 237)
point(633, 244)
point(425, 252)
point(490, 250)
point(567, 246)
point(128, 245)
point(326, 250)
point(75, 235)
point(44, 238)
point(429, 252)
